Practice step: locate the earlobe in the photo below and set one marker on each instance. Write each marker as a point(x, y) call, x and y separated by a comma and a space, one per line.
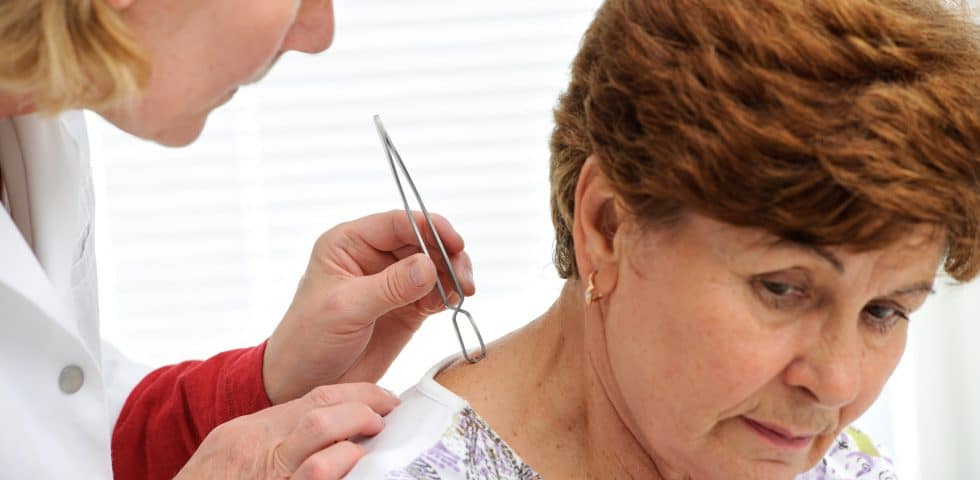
point(596, 222)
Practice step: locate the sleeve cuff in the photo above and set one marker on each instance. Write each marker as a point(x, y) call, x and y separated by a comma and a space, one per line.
point(244, 388)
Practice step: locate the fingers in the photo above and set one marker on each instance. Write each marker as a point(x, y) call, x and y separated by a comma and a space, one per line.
point(332, 414)
point(331, 463)
point(462, 267)
point(400, 284)
point(390, 231)
point(375, 397)
point(322, 427)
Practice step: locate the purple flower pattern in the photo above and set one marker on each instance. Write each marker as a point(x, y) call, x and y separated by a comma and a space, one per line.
point(852, 457)
point(472, 451)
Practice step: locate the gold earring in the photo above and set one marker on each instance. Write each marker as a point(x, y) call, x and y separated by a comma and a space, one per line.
point(590, 294)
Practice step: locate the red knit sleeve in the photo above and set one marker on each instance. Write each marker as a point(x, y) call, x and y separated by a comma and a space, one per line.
point(169, 413)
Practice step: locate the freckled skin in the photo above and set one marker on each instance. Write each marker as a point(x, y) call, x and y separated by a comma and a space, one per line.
point(657, 378)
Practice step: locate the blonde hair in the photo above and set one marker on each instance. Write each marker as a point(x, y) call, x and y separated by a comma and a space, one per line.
point(65, 54)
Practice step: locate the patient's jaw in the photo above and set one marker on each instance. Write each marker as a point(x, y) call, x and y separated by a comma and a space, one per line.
point(714, 352)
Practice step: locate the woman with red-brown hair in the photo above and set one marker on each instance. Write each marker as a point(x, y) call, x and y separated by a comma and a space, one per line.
point(750, 198)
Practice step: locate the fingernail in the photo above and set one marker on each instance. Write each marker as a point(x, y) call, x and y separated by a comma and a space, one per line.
point(381, 420)
point(452, 298)
point(468, 272)
point(416, 274)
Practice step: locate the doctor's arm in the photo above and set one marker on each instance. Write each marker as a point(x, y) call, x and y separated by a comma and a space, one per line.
point(366, 290)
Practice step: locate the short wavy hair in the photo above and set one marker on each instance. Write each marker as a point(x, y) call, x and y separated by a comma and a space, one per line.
point(835, 122)
point(66, 54)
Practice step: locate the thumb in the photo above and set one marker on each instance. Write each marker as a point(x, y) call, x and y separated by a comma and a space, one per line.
point(402, 283)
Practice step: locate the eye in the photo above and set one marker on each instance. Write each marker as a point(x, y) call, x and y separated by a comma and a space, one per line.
point(884, 317)
point(778, 288)
point(780, 294)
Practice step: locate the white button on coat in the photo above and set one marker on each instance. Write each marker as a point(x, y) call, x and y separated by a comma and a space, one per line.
point(64, 388)
point(71, 379)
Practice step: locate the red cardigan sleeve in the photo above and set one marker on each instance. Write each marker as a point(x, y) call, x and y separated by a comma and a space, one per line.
point(169, 413)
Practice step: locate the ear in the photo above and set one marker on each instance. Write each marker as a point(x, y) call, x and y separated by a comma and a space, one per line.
point(597, 219)
point(119, 5)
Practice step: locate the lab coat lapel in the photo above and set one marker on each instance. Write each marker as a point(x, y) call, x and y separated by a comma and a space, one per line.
point(22, 274)
point(48, 166)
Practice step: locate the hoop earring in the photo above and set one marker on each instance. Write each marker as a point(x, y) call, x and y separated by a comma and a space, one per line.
point(591, 296)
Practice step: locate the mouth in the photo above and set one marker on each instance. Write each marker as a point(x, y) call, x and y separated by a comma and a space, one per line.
point(780, 437)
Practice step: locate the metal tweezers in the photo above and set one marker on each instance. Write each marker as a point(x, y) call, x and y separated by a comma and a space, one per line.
point(396, 160)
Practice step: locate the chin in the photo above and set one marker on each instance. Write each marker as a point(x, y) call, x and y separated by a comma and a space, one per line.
point(181, 135)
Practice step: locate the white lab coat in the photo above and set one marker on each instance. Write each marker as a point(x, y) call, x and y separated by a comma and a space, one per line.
point(54, 423)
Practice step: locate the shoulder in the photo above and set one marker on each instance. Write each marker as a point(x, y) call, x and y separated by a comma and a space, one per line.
point(412, 429)
point(854, 455)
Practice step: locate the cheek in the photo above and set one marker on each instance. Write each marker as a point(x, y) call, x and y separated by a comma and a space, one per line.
point(687, 356)
point(195, 70)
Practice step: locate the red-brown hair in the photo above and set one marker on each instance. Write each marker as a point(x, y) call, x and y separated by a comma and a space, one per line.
point(823, 121)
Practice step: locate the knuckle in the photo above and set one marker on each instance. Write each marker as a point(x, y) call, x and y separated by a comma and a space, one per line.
point(363, 416)
point(432, 305)
point(438, 219)
point(325, 240)
point(229, 430)
point(341, 237)
point(325, 396)
point(316, 424)
point(349, 446)
point(322, 466)
point(280, 467)
point(393, 289)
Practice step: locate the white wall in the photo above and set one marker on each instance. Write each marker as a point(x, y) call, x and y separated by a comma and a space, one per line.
point(943, 390)
point(200, 248)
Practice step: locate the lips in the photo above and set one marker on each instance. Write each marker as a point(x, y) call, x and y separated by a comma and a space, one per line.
point(778, 436)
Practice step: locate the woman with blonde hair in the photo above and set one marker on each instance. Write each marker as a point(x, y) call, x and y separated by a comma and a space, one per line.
point(157, 68)
point(750, 200)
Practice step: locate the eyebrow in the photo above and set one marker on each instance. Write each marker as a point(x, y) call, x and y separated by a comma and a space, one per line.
point(824, 254)
point(812, 249)
point(926, 287)
point(921, 287)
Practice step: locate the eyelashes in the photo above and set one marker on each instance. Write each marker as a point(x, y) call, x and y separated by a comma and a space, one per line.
point(780, 294)
point(884, 317)
point(794, 296)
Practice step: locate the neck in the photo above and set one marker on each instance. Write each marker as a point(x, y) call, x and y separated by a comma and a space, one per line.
point(576, 432)
point(13, 105)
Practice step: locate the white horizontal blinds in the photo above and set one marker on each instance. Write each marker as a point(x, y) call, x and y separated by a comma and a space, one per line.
point(202, 247)
point(465, 91)
point(175, 230)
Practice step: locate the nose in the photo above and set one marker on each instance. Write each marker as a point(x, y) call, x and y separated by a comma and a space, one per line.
point(314, 27)
point(829, 369)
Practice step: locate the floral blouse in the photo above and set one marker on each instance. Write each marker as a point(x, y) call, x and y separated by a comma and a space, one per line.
point(435, 435)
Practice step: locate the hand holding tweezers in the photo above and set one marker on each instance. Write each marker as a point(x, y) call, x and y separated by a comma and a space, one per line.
point(395, 161)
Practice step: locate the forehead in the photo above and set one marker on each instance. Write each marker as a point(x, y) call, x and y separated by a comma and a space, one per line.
point(920, 248)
